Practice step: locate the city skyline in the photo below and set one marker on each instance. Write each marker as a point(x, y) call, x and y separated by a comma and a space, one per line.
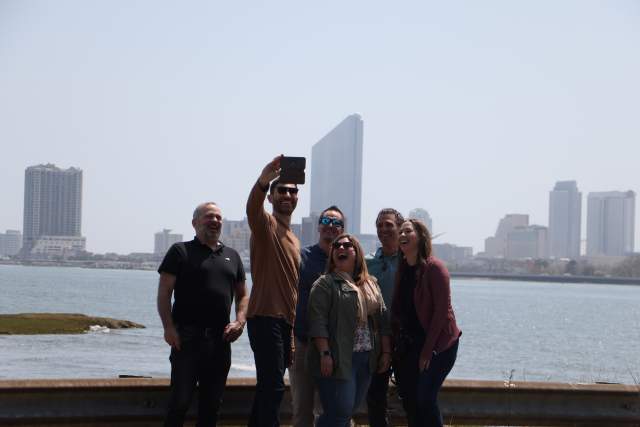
point(42, 181)
point(472, 111)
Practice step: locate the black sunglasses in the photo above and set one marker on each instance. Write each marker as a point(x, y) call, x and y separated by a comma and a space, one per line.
point(346, 245)
point(284, 190)
point(325, 220)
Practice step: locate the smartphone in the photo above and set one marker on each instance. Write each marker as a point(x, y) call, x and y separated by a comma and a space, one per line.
point(292, 170)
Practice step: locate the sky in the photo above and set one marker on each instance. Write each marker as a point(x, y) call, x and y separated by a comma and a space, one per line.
point(471, 110)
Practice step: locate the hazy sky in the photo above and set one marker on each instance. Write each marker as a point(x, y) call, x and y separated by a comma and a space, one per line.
point(471, 110)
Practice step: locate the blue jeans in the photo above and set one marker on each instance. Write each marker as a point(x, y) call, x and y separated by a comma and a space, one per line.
point(341, 398)
point(270, 339)
point(419, 390)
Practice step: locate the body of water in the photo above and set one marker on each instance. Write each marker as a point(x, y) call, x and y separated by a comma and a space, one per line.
point(523, 330)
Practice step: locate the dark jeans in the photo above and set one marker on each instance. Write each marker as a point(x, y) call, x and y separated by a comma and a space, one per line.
point(270, 340)
point(419, 390)
point(377, 400)
point(202, 359)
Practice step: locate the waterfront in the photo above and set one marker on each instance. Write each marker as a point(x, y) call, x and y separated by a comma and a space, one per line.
point(527, 331)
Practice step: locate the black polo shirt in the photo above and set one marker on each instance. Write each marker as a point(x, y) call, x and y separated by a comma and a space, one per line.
point(205, 280)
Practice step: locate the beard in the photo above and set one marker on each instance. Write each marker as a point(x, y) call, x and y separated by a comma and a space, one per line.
point(284, 210)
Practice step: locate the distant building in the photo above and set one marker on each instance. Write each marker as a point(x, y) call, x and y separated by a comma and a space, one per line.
point(422, 215)
point(527, 242)
point(565, 213)
point(52, 210)
point(58, 246)
point(309, 230)
point(496, 246)
point(336, 171)
point(369, 242)
point(163, 241)
point(237, 235)
point(10, 243)
point(611, 223)
point(452, 253)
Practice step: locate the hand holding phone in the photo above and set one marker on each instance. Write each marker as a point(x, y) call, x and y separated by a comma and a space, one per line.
point(292, 170)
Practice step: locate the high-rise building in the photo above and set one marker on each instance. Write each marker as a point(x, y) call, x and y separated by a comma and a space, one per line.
point(565, 212)
point(309, 230)
point(10, 243)
point(52, 205)
point(422, 215)
point(611, 223)
point(336, 171)
point(163, 241)
point(237, 235)
point(496, 246)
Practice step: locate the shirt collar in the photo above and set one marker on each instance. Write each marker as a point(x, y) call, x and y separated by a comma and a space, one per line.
point(379, 254)
point(217, 249)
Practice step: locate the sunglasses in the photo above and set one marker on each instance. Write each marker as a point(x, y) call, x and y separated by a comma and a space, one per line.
point(346, 245)
point(325, 220)
point(284, 190)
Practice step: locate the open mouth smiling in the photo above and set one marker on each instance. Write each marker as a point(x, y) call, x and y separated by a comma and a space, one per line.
point(343, 256)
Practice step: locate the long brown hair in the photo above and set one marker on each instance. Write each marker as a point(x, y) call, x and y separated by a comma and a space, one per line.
point(424, 246)
point(360, 272)
point(424, 239)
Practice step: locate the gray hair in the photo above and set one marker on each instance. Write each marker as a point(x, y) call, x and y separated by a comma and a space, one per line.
point(198, 209)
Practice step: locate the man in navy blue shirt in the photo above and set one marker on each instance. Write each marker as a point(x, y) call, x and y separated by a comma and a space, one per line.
point(312, 265)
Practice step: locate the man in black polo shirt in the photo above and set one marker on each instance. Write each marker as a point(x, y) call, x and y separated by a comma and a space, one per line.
point(203, 275)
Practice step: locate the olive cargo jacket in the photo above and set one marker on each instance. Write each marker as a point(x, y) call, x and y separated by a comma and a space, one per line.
point(332, 314)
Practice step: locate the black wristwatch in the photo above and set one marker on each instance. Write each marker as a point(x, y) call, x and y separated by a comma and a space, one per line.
point(325, 353)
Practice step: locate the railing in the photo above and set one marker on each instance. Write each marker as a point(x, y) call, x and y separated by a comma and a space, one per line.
point(141, 402)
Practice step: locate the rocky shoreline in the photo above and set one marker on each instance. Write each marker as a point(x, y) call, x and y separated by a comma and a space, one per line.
point(57, 323)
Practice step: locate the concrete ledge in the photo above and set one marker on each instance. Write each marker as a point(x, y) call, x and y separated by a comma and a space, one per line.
point(141, 402)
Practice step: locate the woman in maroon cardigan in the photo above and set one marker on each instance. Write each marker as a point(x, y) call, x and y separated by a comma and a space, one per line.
point(424, 326)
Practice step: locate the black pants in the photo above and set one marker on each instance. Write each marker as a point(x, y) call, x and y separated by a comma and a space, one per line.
point(377, 399)
point(204, 358)
point(419, 390)
point(270, 340)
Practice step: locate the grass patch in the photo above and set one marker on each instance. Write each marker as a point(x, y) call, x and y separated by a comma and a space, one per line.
point(57, 323)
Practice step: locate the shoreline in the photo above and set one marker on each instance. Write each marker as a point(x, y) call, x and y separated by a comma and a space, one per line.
point(120, 265)
point(548, 279)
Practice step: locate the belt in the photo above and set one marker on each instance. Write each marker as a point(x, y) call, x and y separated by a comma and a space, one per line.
point(199, 332)
point(210, 332)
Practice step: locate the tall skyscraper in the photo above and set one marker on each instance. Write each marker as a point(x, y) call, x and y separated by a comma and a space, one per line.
point(163, 240)
point(611, 223)
point(52, 206)
point(565, 213)
point(422, 215)
point(336, 171)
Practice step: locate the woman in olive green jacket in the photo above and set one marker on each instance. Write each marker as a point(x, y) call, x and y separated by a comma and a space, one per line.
point(349, 325)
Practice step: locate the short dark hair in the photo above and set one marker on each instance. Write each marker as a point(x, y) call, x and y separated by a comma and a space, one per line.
point(334, 208)
point(275, 183)
point(391, 211)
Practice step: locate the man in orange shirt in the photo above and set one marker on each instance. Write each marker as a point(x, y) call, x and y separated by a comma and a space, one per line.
point(275, 264)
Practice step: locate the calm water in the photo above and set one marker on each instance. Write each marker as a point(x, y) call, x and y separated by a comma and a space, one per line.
point(530, 331)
